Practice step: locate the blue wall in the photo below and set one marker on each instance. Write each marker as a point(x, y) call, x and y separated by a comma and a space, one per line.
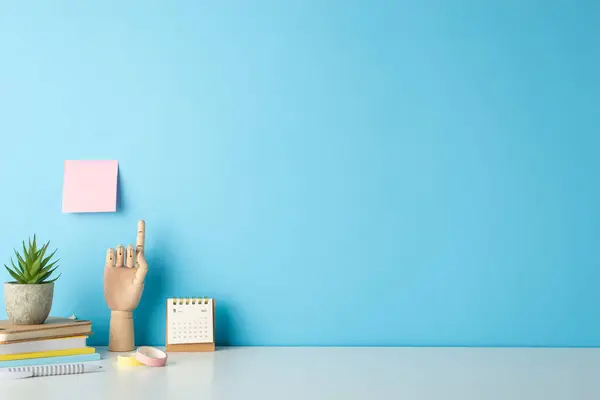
point(349, 173)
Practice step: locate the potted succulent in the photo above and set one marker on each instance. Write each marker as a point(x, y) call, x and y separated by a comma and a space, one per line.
point(28, 299)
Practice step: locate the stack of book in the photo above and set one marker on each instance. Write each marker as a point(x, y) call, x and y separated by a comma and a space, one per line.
point(57, 341)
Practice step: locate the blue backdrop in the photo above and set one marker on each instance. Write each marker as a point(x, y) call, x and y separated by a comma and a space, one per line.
point(333, 173)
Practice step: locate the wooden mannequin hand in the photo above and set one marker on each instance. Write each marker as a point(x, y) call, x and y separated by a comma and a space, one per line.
point(124, 281)
point(123, 286)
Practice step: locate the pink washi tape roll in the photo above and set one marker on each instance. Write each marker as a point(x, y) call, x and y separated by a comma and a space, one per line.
point(151, 356)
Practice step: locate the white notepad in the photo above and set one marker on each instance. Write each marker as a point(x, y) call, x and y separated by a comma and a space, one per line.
point(190, 321)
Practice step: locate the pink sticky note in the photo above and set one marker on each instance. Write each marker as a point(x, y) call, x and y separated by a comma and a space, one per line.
point(90, 186)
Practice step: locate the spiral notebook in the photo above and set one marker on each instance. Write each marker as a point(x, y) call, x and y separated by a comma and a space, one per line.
point(48, 370)
point(190, 324)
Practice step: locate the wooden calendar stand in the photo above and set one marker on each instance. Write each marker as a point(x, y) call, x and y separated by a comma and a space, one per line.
point(190, 347)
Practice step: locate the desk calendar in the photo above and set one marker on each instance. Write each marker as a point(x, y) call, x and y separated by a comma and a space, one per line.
point(190, 324)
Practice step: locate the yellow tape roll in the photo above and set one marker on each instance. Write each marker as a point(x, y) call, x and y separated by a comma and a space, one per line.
point(128, 361)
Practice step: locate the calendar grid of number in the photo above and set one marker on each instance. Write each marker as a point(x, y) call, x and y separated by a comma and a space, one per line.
point(190, 322)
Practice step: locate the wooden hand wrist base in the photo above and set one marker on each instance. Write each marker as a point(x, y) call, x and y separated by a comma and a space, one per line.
point(121, 336)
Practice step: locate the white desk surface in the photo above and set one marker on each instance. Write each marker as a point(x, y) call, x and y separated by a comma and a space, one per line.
point(334, 373)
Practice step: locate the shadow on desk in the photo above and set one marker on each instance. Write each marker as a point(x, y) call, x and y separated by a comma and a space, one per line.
point(224, 324)
point(150, 315)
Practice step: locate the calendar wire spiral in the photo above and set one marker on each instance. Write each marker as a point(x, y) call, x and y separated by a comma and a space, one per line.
point(190, 300)
point(51, 370)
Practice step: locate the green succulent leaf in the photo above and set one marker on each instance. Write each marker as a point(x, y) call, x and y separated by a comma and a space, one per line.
point(34, 246)
point(25, 253)
point(45, 261)
point(42, 276)
point(18, 269)
point(41, 252)
point(49, 266)
point(22, 263)
point(15, 276)
point(26, 274)
point(35, 268)
point(52, 280)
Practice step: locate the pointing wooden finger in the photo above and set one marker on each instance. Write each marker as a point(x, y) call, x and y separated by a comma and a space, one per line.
point(141, 234)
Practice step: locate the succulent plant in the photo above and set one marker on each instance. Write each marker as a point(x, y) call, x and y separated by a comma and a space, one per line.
point(33, 267)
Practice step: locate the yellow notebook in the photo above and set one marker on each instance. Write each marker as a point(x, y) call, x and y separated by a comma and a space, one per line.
point(45, 354)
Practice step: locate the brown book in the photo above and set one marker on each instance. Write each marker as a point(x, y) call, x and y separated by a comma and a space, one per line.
point(54, 327)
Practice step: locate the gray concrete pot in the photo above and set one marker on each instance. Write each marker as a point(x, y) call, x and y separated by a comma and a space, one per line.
point(28, 304)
